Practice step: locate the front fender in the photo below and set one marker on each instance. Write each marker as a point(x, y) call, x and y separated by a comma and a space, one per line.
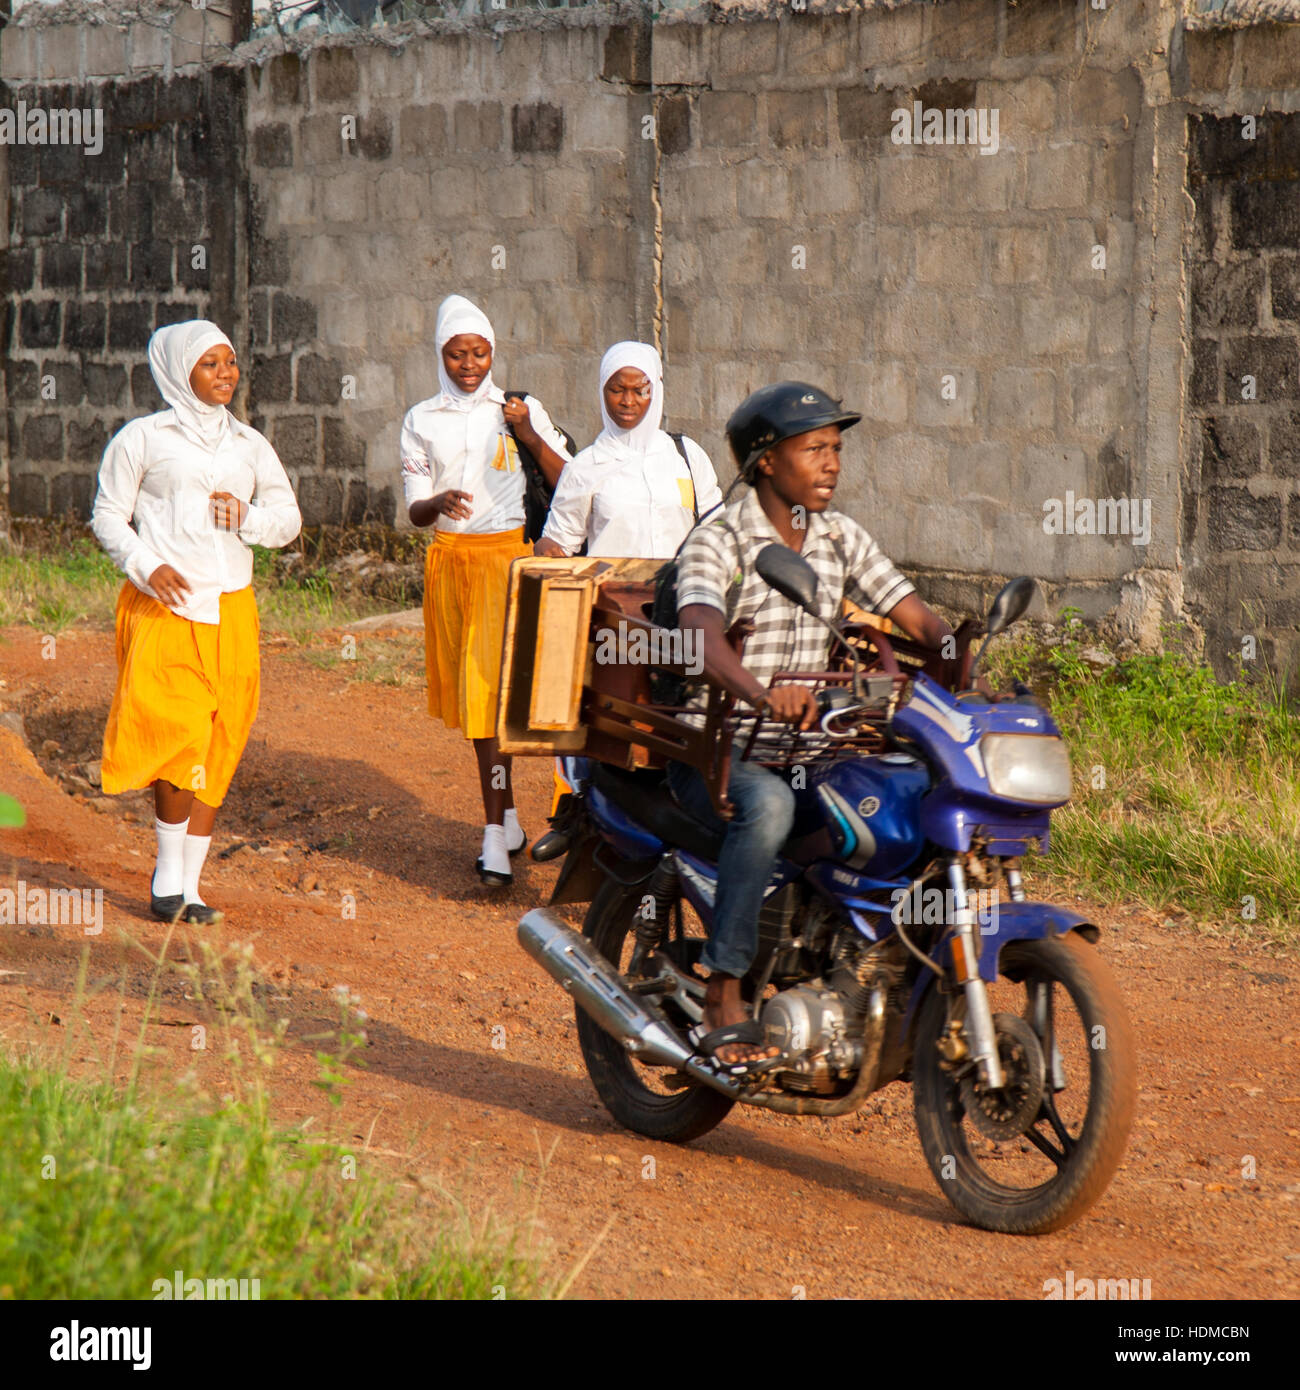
point(1025, 922)
point(1013, 922)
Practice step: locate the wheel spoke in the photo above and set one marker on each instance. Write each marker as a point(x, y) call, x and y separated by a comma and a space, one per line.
point(1045, 1145)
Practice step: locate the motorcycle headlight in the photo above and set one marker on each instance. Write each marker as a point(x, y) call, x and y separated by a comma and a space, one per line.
point(1027, 767)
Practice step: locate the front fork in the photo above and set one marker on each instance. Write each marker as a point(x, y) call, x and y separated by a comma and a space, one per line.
point(965, 956)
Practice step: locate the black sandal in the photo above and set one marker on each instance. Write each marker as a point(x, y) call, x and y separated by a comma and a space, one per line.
point(750, 1032)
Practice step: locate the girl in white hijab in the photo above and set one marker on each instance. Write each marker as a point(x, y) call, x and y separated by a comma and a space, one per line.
point(182, 496)
point(636, 491)
point(462, 473)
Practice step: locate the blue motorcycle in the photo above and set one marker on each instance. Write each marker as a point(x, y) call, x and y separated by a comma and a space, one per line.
point(897, 942)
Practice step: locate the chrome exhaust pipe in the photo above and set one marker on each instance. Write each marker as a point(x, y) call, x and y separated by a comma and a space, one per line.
point(597, 989)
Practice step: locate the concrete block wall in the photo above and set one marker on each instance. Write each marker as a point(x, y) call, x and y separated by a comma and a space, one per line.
point(508, 169)
point(953, 297)
point(99, 250)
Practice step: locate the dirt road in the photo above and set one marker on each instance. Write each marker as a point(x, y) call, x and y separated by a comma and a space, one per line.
point(348, 788)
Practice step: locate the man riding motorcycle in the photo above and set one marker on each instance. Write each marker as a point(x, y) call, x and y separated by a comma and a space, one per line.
point(786, 440)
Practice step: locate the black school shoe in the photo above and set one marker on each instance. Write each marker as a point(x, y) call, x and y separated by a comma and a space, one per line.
point(491, 877)
point(166, 909)
point(201, 915)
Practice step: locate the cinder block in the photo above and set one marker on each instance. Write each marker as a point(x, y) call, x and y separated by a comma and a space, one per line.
point(698, 193)
point(452, 193)
point(1037, 28)
point(1112, 175)
point(1101, 400)
point(891, 35)
point(947, 255)
point(148, 46)
point(516, 320)
point(478, 125)
point(1104, 100)
point(546, 255)
point(967, 30)
point(946, 395)
point(342, 197)
point(799, 256)
point(195, 33)
point(1055, 324)
point(742, 51)
point(985, 183)
point(1209, 58)
point(763, 190)
point(388, 75)
point(1026, 108)
point(981, 470)
point(565, 193)
point(443, 65)
point(59, 51)
point(880, 389)
point(105, 51)
point(1112, 327)
point(910, 465)
point(399, 196)
point(1019, 255)
point(818, 45)
point(1022, 398)
point(827, 187)
point(909, 183)
point(599, 122)
point(503, 193)
point(335, 75)
point(679, 55)
point(879, 257)
point(19, 59)
point(291, 198)
point(320, 140)
point(423, 131)
point(911, 324)
point(1049, 471)
point(797, 119)
point(343, 320)
point(984, 326)
point(1059, 177)
point(728, 119)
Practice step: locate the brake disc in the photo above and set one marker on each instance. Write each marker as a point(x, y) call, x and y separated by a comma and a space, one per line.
point(1007, 1112)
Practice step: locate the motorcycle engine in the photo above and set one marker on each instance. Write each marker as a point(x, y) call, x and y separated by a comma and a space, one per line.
point(808, 1024)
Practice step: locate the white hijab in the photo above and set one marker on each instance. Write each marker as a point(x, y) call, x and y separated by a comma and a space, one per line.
point(457, 315)
point(173, 351)
point(613, 443)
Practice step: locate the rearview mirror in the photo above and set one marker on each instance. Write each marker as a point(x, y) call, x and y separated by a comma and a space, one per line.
point(787, 572)
point(1012, 600)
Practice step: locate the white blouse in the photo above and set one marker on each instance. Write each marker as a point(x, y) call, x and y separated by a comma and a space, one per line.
point(473, 451)
point(153, 508)
point(631, 507)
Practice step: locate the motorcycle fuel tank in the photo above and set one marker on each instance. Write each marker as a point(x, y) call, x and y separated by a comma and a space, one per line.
point(872, 810)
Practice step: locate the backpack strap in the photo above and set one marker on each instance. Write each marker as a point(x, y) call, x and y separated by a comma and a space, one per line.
point(680, 442)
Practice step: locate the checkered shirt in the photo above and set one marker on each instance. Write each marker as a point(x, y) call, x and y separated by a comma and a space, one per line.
point(716, 566)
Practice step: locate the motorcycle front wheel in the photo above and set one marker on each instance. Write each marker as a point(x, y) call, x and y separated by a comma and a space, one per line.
point(1037, 1155)
point(635, 1094)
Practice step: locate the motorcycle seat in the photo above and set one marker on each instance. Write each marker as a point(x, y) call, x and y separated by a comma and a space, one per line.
point(646, 796)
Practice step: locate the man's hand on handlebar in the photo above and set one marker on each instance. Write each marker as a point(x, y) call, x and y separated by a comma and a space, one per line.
point(793, 704)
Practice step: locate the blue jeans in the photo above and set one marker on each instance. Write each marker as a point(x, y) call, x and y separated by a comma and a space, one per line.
point(765, 808)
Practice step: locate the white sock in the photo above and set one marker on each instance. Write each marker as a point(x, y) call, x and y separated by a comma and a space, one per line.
point(168, 874)
point(496, 857)
point(514, 832)
point(196, 852)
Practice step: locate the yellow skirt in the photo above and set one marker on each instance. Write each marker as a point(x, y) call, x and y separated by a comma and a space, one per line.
point(465, 582)
point(186, 695)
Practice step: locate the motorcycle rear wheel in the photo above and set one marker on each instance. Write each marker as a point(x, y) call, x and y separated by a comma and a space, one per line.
point(1084, 1146)
point(621, 1083)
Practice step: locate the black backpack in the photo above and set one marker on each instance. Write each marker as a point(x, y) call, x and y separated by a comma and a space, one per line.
point(537, 491)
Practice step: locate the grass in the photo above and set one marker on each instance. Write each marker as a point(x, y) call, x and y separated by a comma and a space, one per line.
point(53, 589)
point(1186, 790)
point(108, 1188)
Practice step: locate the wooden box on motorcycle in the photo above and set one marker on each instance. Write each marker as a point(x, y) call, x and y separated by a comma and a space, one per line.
point(575, 667)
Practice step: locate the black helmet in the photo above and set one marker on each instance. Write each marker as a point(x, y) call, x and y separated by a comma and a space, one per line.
point(773, 413)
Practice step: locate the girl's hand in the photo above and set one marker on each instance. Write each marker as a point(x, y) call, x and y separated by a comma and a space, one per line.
point(543, 545)
point(170, 586)
point(454, 504)
point(228, 512)
point(517, 417)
